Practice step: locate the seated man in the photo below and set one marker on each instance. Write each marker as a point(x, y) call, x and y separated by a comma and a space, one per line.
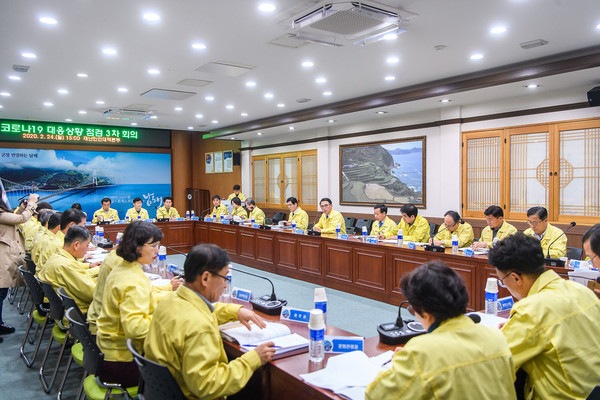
point(237, 193)
point(238, 210)
point(167, 211)
point(497, 228)
point(256, 213)
point(105, 213)
point(184, 334)
point(453, 225)
point(46, 239)
point(383, 227)
point(330, 218)
point(456, 359)
point(137, 212)
point(591, 246)
point(546, 234)
point(218, 209)
point(64, 270)
point(296, 214)
point(33, 226)
point(414, 227)
point(552, 329)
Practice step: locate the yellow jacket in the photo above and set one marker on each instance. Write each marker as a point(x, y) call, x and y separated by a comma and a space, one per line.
point(258, 215)
point(240, 212)
point(184, 336)
point(464, 232)
point(29, 230)
point(109, 263)
point(505, 231)
point(218, 211)
point(418, 232)
point(388, 228)
point(32, 234)
point(127, 307)
point(242, 196)
point(559, 248)
point(553, 336)
point(101, 215)
point(133, 214)
point(162, 212)
point(327, 223)
point(301, 218)
point(46, 245)
point(62, 269)
point(458, 360)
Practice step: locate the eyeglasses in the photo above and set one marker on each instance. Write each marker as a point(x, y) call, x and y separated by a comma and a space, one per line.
point(501, 281)
point(324, 205)
point(535, 223)
point(450, 226)
point(411, 310)
point(227, 278)
point(592, 259)
point(155, 245)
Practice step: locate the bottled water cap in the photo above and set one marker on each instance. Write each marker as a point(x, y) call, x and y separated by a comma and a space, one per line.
point(316, 320)
point(491, 285)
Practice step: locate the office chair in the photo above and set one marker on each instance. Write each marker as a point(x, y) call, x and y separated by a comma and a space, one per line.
point(432, 226)
point(279, 216)
point(350, 221)
point(574, 253)
point(363, 222)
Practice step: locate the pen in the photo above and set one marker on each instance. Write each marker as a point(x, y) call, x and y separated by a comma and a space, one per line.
point(255, 345)
point(386, 363)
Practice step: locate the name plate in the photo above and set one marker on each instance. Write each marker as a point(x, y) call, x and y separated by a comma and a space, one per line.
point(225, 221)
point(576, 264)
point(343, 236)
point(295, 314)
point(241, 294)
point(180, 219)
point(208, 219)
point(468, 252)
point(299, 231)
point(343, 344)
point(372, 240)
point(255, 225)
point(411, 245)
point(193, 219)
point(147, 220)
point(505, 303)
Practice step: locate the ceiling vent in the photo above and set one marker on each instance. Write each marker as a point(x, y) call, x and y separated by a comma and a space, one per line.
point(20, 68)
point(353, 22)
point(225, 68)
point(533, 43)
point(194, 82)
point(167, 94)
point(127, 113)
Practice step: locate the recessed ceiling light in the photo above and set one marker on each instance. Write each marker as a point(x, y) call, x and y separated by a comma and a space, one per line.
point(209, 98)
point(390, 36)
point(320, 80)
point(68, 120)
point(153, 117)
point(280, 105)
point(214, 121)
point(598, 26)
point(327, 93)
point(250, 84)
point(28, 55)
point(498, 30)
point(82, 75)
point(134, 124)
point(178, 109)
point(244, 114)
point(291, 128)
point(1, 106)
point(63, 91)
point(153, 17)
point(259, 133)
point(445, 101)
point(4, 94)
point(331, 121)
point(392, 60)
point(48, 104)
point(477, 56)
point(190, 127)
point(198, 46)
point(266, 7)
point(100, 102)
point(381, 112)
point(390, 78)
point(229, 106)
point(48, 21)
point(199, 116)
point(82, 112)
point(232, 138)
point(308, 64)
point(532, 86)
point(123, 90)
point(153, 71)
point(269, 95)
point(14, 78)
point(109, 51)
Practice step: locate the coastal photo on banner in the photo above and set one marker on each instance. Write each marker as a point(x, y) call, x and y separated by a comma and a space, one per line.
point(65, 177)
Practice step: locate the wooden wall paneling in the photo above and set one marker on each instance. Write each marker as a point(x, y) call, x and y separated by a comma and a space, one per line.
point(180, 236)
point(467, 270)
point(265, 250)
point(230, 240)
point(369, 268)
point(310, 256)
point(181, 168)
point(338, 262)
point(215, 235)
point(403, 262)
point(201, 233)
point(222, 183)
point(286, 251)
point(247, 244)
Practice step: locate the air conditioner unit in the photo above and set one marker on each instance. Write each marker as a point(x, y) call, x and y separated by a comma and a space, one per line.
point(127, 113)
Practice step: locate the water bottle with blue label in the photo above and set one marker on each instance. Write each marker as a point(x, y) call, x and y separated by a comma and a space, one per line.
point(227, 290)
point(193, 214)
point(187, 214)
point(454, 244)
point(100, 234)
point(400, 238)
point(294, 224)
point(321, 302)
point(127, 217)
point(364, 233)
point(337, 231)
point(162, 262)
point(491, 296)
point(316, 335)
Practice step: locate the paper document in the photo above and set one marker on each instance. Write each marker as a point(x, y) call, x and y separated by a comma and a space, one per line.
point(490, 320)
point(583, 276)
point(279, 334)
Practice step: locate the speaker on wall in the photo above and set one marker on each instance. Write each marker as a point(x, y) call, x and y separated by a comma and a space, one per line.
point(237, 158)
point(593, 97)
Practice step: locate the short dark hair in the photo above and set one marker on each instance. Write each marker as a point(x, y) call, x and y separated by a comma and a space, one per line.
point(167, 198)
point(135, 235)
point(54, 219)
point(204, 257)
point(382, 208)
point(43, 205)
point(236, 200)
point(454, 215)
point(436, 289)
point(136, 200)
point(292, 200)
point(45, 216)
point(520, 253)
point(106, 199)
point(327, 199)
point(71, 215)
point(250, 201)
point(593, 235)
point(76, 206)
point(494, 211)
point(541, 212)
point(409, 209)
point(236, 187)
point(216, 196)
point(76, 233)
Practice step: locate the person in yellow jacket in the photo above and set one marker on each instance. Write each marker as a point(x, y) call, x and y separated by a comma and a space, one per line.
point(591, 245)
point(256, 213)
point(497, 228)
point(453, 225)
point(238, 210)
point(47, 242)
point(546, 234)
point(383, 227)
point(34, 225)
point(64, 270)
point(218, 208)
point(137, 212)
point(127, 303)
point(296, 214)
point(237, 193)
point(167, 211)
point(414, 227)
point(38, 231)
point(105, 213)
point(552, 326)
point(330, 218)
point(184, 333)
point(456, 358)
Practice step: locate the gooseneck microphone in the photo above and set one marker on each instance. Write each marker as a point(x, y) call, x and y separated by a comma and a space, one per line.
point(268, 304)
point(400, 331)
point(557, 262)
point(432, 247)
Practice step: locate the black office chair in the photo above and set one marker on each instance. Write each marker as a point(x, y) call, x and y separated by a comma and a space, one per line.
point(595, 395)
point(574, 253)
point(350, 221)
point(432, 226)
point(268, 221)
point(350, 230)
point(279, 216)
point(159, 384)
point(363, 222)
point(310, 226)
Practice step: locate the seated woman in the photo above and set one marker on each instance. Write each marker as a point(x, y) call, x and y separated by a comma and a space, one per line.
point(456, 359)
point(127, 303)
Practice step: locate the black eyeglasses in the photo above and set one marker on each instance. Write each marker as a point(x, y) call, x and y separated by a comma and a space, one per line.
point(227, 278)
point(501, 281)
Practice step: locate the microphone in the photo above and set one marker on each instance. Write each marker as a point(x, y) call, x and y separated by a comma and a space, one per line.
point(433, 248)
point(476, 318)
point(311, 231)
point(267, 304)
point(175, 250)
point(399, 332)
point(557, 262)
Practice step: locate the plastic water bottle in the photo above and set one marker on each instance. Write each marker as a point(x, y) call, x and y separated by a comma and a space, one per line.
point(337, 231)
point(162, 261)
point(491, 296)
point(193, 214)
point(400, 238)
point(214, 218)
point(321, 302)
point(316, 333)
point(294, 224)
point(139, 217)
point(127, 218)
point(495, 241)
point(454, 244)
point(187, 214)
point(222, 218)
point(100, 234)
point(227, 290)
point(119, 236)
point(364, 233)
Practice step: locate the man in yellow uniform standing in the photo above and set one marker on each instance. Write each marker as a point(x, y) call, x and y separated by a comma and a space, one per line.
point(553, 326)
point(167, 211)
point(497, 228)
point(296, 214)
point(218, 209)
point(330, 218)
point(238, 210)
point(537, 218)
point(383, 227)
point(237, 193)
point(453, 225)
point(184, 332)
point(414, 227)
point(256, 213)
point(137, 212)
point(105, 213)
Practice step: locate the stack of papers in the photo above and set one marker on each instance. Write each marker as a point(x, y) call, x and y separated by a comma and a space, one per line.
point(277, 333)
point(491, 320)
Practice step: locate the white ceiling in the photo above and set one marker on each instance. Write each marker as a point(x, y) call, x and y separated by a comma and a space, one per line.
point(236, 31)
